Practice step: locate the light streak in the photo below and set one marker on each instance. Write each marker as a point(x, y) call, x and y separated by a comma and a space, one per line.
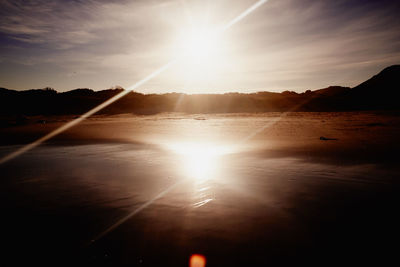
point(136, 211)
point(84, 116)
point(275, 120)
point(145, 205)
point(242, 15)
point(74, 122)
point(112, 100)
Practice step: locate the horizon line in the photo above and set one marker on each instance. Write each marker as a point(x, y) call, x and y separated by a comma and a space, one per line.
point(195, 92)
point(117, 87)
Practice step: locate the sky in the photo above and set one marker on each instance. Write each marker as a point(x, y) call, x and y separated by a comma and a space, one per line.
point(291, 45)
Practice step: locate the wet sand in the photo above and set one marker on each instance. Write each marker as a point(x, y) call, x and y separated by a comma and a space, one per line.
point(361, 135)
point(279, 197)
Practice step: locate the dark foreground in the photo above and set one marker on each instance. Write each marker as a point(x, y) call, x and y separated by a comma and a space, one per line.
point(281, 197)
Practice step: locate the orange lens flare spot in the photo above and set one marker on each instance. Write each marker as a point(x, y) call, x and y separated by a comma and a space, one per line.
point(197, 260)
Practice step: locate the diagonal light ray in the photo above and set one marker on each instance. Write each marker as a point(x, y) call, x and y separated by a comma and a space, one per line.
point(112, 100)
point(242, 15)
point(148, 203)
point(136, 211)
point(198, 204)
point(85, 115)
point(275, 120)
point(123, 93)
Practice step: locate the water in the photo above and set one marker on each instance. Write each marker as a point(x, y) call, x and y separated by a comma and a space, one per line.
point(155, 205)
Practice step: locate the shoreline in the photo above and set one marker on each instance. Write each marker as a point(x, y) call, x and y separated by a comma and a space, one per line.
point(362, 136)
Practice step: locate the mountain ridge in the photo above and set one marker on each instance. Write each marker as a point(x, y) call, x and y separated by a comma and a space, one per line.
point(380, 92)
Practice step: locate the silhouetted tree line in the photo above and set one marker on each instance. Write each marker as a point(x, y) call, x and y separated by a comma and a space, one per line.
point(378, 93)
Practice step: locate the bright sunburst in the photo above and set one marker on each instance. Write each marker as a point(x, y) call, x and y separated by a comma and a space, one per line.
point(202, 51)
point(200, 45)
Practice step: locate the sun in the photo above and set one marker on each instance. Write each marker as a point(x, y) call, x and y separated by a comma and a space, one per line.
point(200, 45)
point(202, 53)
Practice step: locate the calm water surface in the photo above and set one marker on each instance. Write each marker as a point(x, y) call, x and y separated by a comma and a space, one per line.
point(148, 205)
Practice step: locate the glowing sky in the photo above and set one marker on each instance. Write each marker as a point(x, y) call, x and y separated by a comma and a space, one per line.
point(284, 45)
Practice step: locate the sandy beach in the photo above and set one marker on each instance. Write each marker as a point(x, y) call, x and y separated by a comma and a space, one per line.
point(360, 135)
point(146, 190)
point(199, 133)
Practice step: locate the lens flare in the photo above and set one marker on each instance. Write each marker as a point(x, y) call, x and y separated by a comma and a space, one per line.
point(197, 260)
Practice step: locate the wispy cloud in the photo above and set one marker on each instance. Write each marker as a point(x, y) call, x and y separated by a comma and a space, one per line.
point(286, 45)
point(319, 43)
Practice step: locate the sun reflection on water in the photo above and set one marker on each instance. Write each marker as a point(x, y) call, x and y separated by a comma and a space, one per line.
point(201, 163)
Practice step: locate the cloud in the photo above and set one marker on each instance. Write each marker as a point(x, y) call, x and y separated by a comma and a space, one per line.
point(321, 38)
point(56, 24)
point(286, 44)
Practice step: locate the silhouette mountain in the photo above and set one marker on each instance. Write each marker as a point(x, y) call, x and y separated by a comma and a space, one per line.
point(377, 93)
point(387, 79)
